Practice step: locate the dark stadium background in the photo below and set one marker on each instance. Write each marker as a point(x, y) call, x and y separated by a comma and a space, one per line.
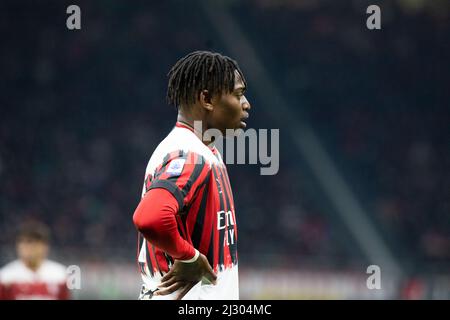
point(364, 138)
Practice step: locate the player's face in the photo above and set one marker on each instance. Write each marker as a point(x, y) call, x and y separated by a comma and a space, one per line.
point(31, 251)
point(231, 109)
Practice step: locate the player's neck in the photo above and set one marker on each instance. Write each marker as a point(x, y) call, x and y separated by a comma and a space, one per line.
point(33, 265)
point(189, 121)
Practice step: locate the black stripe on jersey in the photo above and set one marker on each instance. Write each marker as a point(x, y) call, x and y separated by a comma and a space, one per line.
point(183, 215)
point(142, 268)
point(232, 247)
point(221, 187)
point(170, 183)
point(210, 254)
point(172, 188)
point(147, 182)
point(156, 260)
point(164, 164)
point(169, 157)
point(181, 227)
point(149, 261)
point(198, 227)
point(199, 165)
point(174, 178)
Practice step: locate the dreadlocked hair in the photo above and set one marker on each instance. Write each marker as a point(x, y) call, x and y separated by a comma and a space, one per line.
point(201, 70)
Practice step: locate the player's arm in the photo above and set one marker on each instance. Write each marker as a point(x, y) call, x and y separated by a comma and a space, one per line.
point(155, 219)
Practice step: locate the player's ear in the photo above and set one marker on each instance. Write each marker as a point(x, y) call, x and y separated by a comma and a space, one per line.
point(206, 100)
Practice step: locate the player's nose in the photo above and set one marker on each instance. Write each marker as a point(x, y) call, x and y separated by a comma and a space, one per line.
point(246, 104)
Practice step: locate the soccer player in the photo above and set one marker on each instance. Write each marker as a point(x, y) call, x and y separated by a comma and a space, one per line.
point(32, 276)
point(187, 241)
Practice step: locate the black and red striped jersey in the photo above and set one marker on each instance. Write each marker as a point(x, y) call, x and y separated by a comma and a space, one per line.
point(196, 176)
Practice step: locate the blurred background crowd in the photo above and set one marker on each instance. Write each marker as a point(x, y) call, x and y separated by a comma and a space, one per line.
point(82, 111)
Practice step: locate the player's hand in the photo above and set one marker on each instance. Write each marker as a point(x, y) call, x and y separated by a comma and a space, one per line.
point(185, 276)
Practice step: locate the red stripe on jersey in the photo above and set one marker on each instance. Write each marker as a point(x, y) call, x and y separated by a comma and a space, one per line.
point(227, 184)
point(198, 177)
point(183, 125)
point(235, 236)
point(148, 182)
point(209, 219)
point(199, 224)
point(222, 233)
point(230, 194)
point(161, 171)
point(216, 232)
point(192, 175)
point(182, 228)
point(226, 249)
point(161, 259)
point(188, 168)
point(193, 212)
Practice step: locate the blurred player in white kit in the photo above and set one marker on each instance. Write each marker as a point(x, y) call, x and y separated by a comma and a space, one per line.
point(32, 276)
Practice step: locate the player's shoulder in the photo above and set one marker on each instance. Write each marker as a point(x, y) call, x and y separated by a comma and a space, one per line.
point(50, 264)
point(54, 266)
point(52, 272)
point(11, 271)
point(13, 265)
point(16, 271)
point(181, 138)
point(181, 143)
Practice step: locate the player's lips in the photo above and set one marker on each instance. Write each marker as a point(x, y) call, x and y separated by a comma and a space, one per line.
point(245, 117)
